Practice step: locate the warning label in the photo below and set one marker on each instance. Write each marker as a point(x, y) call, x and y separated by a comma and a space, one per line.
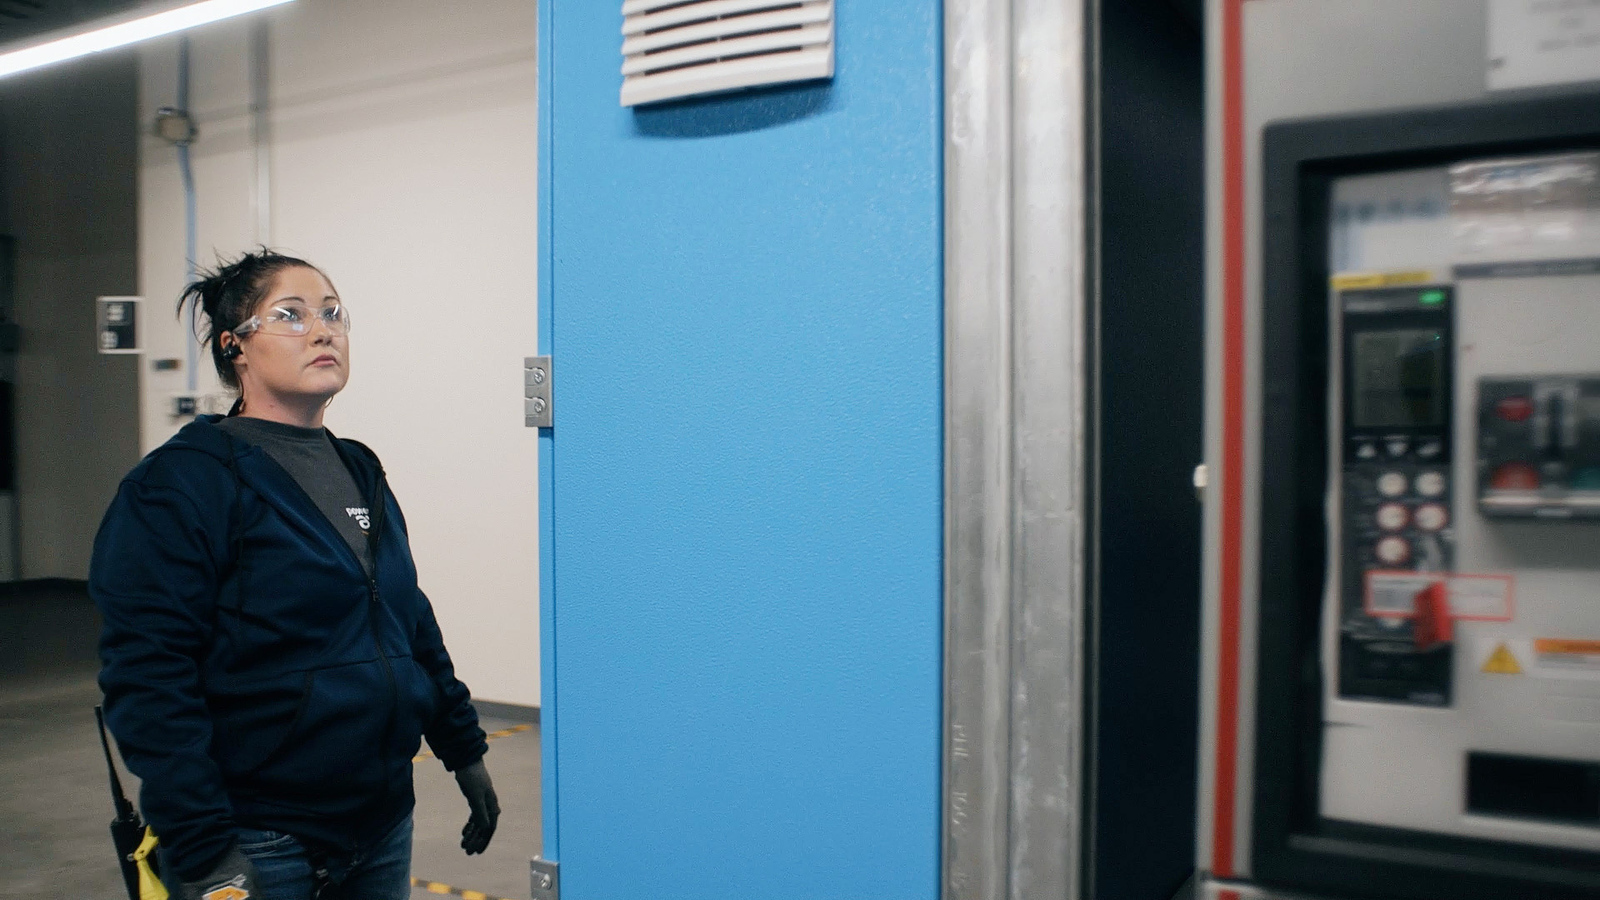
point(1358, 280)
point(1559, 658)
point(1502, 662)
point(1579, 656)
point(1472, 597)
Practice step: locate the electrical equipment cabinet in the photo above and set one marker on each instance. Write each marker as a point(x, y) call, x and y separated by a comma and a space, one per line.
point(1424, 674)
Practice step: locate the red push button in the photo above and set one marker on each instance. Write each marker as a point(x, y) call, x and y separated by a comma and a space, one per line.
point(1514, 409)
point(1515, 476)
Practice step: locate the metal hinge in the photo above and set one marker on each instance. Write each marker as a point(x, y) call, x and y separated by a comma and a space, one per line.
point(546, 877)
point(536, 393)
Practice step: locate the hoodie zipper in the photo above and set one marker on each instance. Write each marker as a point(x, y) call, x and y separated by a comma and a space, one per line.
point(379, 502)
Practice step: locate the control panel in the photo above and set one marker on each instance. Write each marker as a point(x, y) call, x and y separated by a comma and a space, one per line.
point(1539, 446)
point(1396, 493)
point(1458, 673)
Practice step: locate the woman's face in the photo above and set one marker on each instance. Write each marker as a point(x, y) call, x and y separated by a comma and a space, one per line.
point(295, 369)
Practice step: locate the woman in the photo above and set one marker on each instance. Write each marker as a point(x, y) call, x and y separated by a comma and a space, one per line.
point(269, 663)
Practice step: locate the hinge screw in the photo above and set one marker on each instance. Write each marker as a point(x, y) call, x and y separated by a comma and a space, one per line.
point(544, 882)
point(537, 403)
point(537, 376)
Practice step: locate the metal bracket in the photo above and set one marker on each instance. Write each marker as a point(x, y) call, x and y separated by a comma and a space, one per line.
point(546, 877)
point(536, 378)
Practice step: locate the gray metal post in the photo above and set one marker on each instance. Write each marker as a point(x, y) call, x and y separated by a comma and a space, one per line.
point(1016, 288)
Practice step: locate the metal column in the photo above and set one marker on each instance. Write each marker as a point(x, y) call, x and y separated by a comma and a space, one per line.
point(1017, 281)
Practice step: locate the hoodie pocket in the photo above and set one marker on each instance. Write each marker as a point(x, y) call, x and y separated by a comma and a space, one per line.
point(420, 701)
point(337, 744)
point(250, 726)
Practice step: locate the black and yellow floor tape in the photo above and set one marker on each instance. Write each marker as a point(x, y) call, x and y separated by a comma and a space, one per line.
point(439, 887)
point(505, 732)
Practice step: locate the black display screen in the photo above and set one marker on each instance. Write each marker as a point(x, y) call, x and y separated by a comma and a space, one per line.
point(1398, 378)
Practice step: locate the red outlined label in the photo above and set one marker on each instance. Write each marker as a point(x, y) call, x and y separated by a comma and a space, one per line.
point(1474, 597)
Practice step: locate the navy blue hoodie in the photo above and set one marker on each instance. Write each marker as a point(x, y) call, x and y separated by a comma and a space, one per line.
point(253, 674)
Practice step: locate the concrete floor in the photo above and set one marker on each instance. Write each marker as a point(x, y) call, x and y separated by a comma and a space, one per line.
point(55, 804)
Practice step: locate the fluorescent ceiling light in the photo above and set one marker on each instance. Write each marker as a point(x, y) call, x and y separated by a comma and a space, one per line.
point(125, 33)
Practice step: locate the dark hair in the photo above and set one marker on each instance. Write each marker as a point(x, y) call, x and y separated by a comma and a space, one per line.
point(229, 294)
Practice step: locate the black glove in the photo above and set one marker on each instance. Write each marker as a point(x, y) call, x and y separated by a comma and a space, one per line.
point(479, 791)
point(234, 878)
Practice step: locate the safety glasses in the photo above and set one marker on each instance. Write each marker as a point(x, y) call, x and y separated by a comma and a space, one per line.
point(296, 319)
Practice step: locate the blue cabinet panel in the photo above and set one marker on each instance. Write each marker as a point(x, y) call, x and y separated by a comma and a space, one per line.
point(743, 297)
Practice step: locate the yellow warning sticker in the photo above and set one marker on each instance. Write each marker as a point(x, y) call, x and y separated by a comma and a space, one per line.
point(1501, 662)
point(1357, 280)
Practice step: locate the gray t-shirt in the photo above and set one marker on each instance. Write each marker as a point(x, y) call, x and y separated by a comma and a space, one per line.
point(308, 455)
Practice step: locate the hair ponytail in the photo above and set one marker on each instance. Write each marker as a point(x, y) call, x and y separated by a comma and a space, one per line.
point(228, 295)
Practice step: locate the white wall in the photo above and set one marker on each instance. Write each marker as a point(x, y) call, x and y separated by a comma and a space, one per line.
point(404, 164)
point(68, 171)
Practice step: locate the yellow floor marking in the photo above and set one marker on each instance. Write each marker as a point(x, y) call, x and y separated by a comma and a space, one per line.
point(439, 887)
point(505, 732)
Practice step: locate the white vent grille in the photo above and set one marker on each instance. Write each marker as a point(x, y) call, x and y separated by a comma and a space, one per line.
point(673, 48)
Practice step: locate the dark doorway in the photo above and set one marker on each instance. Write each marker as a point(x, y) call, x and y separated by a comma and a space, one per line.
point(1151, 335)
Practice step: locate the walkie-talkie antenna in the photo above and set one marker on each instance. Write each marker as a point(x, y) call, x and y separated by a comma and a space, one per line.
point(124, 807)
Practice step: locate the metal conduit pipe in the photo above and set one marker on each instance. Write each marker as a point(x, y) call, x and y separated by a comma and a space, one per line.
point(261, 128)
point(191, 216)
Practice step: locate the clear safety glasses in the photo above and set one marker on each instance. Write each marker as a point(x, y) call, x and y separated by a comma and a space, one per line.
point(296, 319)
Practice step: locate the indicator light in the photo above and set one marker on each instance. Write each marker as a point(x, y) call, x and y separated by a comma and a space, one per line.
point(1515, 476)
point(1514, 409)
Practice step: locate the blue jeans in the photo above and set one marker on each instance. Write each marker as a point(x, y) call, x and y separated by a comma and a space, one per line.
point(284, 871)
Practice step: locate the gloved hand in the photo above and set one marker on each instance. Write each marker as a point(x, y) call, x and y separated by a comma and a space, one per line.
point(479, 791)
point(234, 878)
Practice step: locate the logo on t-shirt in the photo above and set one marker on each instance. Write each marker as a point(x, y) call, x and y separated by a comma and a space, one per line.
point(359, 513)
